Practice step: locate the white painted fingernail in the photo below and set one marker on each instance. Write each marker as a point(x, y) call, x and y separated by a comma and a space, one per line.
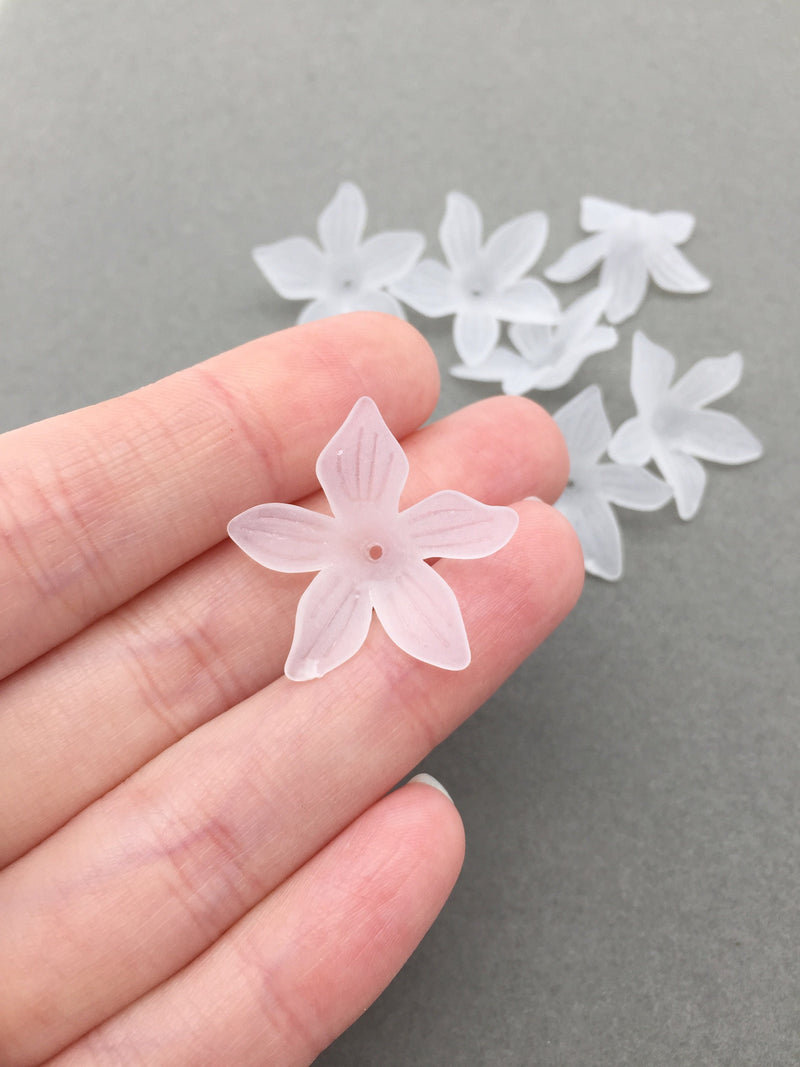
point(428, 779)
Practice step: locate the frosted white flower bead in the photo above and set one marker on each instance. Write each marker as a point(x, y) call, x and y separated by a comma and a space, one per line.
point(346, 273)
point(672, 426)
point(633, 246)
point(482, 284)
point(370, 554)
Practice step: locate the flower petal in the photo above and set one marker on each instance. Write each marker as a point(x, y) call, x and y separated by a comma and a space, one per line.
point(599, 214)
point(720, 437)
point(494, 368)
point(528, 300)
point(676, 226)
point(564, 369)
point(631, 487)
point(453, 525)
point(295, 268)
point(461, 231)
point(652, 369)
point(579, 259)
point(428, 288)
point(687, 478)
point(625, 271)
point(387, 257)
point(320, 309)
point(377, 301)
point(535, 342)
point(362, 463)
point(583, 314)
point(475, 334)
point(598, 532)
point(503, 365)
point(600, 339)
point(341, 224)
point(708, 380)
point(514, 247)
point(671, 270)
point(332, 623)
point(420, 613)
point(585, 426)
point(285, 537)
point(633, 442)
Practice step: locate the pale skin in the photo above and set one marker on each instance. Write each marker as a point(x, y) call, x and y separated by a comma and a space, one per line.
point(201, 864)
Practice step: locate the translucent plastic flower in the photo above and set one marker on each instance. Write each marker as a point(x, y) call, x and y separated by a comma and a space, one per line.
point(672, 427)
point(634, 246)
point(594, 486)
point(483, 284)
point(548, 356)
point(346, 274)
point(370, 555)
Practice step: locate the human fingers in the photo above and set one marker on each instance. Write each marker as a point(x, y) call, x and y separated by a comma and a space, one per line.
point(194, 839)
point(303, 964)
point(99, 504)
point(194, 645)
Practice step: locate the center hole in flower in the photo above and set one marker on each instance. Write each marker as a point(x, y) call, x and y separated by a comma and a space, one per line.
point(476, 291)
point(347, 283)
point(375, 551)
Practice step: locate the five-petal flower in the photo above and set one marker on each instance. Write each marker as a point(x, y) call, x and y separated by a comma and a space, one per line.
point(548, 356)
point(672, 427)
point(346, 274)
point(594, 486)
point(483, 285)
point(634, 246)
point(371, 555)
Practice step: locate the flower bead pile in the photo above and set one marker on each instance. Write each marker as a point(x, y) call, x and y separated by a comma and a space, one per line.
point(486, 286)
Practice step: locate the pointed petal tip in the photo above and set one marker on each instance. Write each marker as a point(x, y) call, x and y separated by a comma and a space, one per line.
point(457, 198)
point(363, 404)
point(687, 512)
point(598, 571)
point(349, 186)
point(302, 670)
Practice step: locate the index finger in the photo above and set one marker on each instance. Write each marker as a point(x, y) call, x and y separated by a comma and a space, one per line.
point(101, 503)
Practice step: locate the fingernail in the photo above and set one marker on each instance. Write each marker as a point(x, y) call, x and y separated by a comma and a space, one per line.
point(428, 779)
point(538, 499)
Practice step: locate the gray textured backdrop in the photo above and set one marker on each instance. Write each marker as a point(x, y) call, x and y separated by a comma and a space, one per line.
point(631, 796)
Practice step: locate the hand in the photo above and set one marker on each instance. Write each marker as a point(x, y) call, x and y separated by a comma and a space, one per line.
point(201, 862)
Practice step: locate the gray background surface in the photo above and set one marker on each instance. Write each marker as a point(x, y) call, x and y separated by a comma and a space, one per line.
point(631, 796)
